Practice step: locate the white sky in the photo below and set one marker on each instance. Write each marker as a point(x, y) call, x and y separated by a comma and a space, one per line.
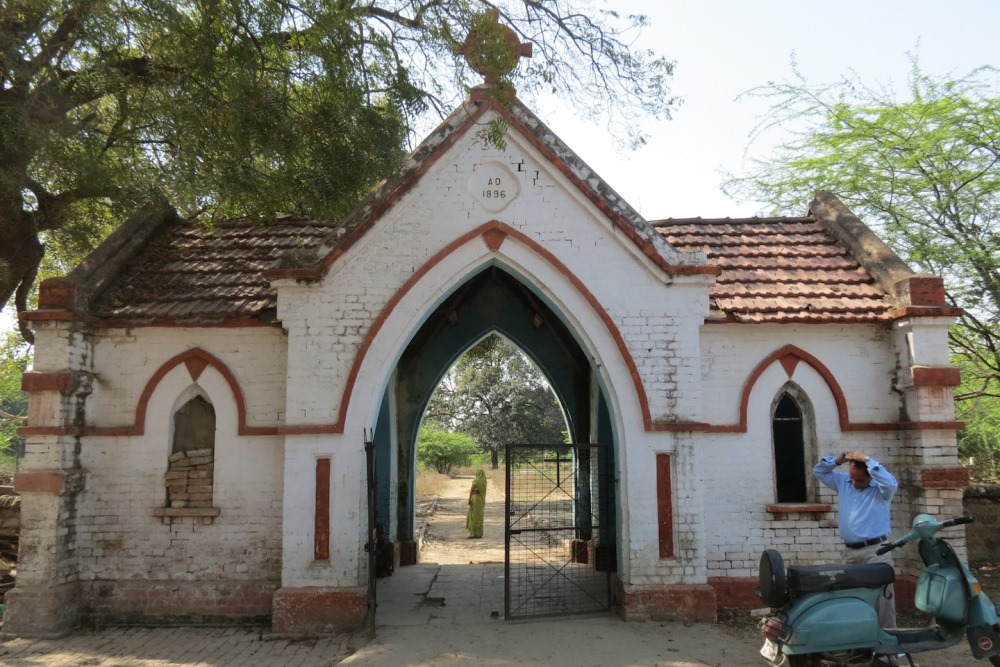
point(724, 47)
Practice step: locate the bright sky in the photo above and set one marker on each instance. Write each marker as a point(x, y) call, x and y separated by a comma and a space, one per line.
point(724, 47)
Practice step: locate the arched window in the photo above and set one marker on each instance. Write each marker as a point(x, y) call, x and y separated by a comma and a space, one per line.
point(789, 434)
point(191, 468)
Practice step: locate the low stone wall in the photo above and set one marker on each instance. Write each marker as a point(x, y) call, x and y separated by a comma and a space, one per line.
point(983, 535)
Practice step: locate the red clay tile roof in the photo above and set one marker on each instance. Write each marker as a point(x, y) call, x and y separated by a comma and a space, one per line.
point(185, 275)
point(773, 270)
point(779, 270)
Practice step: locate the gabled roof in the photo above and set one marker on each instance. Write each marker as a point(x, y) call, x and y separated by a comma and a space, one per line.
point(780, 270)
point(187, 275)
point(467, 121)
point(783, 269)
point(826, 266)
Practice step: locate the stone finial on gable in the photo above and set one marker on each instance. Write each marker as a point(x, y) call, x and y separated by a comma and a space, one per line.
point(493, 49)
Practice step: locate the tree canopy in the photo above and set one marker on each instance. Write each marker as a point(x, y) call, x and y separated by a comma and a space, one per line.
point(255, 108)
point(497, 396)
point(924, 170)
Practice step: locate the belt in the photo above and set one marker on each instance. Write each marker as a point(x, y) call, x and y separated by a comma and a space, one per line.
point(866, 543)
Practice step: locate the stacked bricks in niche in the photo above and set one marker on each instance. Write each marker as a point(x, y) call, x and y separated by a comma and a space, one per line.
point(189, 479)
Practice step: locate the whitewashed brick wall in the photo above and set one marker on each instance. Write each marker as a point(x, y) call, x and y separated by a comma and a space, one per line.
point(119, 538)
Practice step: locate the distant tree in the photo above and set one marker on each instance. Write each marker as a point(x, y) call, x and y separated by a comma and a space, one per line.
point(256, 107)
point(923, 170)
point(979, 441)
point(14, 356)
point(443, 450)
point(495, 394)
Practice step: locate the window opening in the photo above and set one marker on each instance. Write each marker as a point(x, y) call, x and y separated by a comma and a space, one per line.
point(191, 465)
point(789, 452)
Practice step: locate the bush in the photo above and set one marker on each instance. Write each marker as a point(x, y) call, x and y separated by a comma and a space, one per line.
point(443, 450)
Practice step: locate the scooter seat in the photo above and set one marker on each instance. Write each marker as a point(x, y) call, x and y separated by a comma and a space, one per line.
point(822, 578)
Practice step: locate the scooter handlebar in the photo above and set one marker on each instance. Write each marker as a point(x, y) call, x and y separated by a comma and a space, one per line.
point(886, 548)
point(957, 521)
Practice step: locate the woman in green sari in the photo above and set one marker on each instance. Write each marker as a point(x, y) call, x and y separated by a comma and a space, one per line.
point(477, 505)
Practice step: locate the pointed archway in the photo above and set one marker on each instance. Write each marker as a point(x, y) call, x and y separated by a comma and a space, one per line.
point(490, 301)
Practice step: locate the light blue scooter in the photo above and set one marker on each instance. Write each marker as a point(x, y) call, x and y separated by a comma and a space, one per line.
point(827, 612)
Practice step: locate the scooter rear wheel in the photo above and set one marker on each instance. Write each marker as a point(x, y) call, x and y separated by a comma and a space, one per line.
point(807, 660)
point(995, 660)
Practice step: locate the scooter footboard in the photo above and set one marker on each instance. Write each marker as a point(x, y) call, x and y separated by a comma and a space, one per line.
point(825, 624)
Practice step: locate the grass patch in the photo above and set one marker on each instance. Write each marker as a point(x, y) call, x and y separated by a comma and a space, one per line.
point(431, 483)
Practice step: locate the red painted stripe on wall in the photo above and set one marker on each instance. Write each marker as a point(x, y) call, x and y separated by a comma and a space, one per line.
point(664, 506)
point(321, 549)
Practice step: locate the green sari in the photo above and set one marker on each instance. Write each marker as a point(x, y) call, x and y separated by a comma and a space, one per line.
point(477, 505)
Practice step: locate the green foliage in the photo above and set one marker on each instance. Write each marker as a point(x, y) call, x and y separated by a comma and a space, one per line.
point(256, 108)
point(443, 450)
point(979, 442)
point(14, 360)
point(923, 170)
point(498, 396)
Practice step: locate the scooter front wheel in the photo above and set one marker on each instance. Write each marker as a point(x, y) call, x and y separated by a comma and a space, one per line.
point(995, 660)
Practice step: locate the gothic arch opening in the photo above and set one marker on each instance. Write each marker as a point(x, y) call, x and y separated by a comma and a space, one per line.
point(794, 445)
point(491, 301)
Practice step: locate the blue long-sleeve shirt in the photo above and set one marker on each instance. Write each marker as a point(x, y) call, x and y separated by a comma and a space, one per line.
point(863, 514)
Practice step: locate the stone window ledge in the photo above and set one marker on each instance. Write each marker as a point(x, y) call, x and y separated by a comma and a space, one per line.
point(816, 509)
point(169, 514)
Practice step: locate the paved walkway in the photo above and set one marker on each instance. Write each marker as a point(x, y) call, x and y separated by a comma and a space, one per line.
point(429, 615)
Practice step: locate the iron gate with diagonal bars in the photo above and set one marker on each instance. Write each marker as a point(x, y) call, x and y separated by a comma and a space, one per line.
point(560, 549)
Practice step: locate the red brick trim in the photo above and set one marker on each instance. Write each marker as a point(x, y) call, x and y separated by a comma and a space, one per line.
point(925, 311)
point(944, 478)
point(789, 356)
point(490, 228)
point(71, 431)
point(35, 381)
point(57, 293)
point(925, 291)
point(195, 360)
point(321, 518)
point(816, 509)
point(936, 376)
point(390, 198)
point(52, 483)
point(130, 601)
point(664, 505)
point(684, 602)
point(735, 592)
point(310, 430)
point(314, 610)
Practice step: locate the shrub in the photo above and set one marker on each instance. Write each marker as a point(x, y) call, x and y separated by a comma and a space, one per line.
point(443, 450)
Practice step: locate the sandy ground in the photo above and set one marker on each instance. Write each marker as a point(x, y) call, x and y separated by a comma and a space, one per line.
point(446, 541)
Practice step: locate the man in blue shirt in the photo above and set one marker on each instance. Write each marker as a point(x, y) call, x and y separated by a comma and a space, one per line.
point(865, 495)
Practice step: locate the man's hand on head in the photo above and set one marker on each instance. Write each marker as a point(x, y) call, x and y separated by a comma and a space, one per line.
point(856, 455)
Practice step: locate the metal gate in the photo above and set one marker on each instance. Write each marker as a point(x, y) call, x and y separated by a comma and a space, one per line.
point(560, 549)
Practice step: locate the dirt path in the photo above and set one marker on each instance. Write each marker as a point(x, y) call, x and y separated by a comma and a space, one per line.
point(446, 541)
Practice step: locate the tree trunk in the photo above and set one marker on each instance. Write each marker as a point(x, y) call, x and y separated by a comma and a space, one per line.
point(21, 252)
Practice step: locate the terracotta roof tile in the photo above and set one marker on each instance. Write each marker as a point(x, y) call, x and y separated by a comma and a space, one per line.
point(773, 270)
point(187, 275)
point(779, 270)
